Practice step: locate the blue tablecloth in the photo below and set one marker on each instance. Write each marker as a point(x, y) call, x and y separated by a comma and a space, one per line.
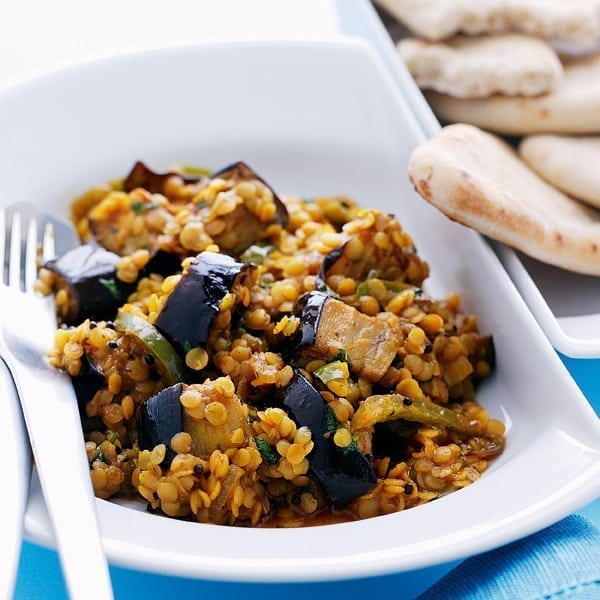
point(39, 576)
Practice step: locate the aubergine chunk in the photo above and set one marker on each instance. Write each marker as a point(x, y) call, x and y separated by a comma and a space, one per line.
point(377, 247)
point(163, 263)
point(223, 414)
point(329, 326)
point(141, 176)
point(241, 208)
point(164, 415)
point(87, 274)
point(125, 222)
point(344, 474)
point(191, 309)
point(86, 383)
point(159, 418)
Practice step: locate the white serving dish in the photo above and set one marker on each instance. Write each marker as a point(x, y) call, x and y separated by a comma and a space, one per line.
point(565, 304)
point(312, 117)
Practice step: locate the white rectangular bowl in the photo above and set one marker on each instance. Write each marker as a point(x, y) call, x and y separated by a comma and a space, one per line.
point(318, 117)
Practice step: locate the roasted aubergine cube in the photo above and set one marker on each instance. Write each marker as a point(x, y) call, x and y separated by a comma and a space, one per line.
point(243, 210)
point(164, 415)
point(159, 418)
point(329, 326)
point(344, 473)
point(209, 285)
point(377, 247)
point(88, 276)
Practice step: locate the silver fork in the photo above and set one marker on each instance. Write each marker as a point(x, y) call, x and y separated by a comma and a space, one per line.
point(27, 326)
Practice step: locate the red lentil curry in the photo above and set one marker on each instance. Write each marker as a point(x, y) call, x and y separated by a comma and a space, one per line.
point(245, 359)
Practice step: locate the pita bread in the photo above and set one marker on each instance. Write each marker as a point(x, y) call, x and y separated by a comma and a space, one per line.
point(477, 179)
point(573, 21)
point(477, 67)
point(573, 107)
point(568, 163)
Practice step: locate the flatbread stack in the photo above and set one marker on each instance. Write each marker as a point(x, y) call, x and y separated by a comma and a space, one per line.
point(528, 69)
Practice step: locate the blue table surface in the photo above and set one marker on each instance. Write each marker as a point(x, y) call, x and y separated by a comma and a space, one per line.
point(39, 575)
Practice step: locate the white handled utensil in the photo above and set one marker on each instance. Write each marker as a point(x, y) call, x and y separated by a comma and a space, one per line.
point(50, 410)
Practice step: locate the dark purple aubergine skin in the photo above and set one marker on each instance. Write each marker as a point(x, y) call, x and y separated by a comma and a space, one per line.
point(243, 171)
point(141, 176)
point(159, 419)
point(163, 263)
point(188, 315)
point(330, 259)
point(308, 309)
point(86, 384)
point(343, 476)
point(89, 271)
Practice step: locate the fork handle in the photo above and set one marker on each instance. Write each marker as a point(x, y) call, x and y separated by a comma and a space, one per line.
point(54, 427)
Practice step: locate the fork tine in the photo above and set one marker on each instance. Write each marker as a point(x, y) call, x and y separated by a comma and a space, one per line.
point(48, 246)
point(31, 255)
point(14, 256)
point(2, 242)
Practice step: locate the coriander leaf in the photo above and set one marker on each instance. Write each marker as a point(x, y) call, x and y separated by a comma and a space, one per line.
point(353, 446)
point(111, 286)
point(138, 207)
point(266, 450)
point(332, 423)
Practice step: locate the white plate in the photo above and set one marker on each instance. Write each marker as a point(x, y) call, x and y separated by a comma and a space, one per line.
point(312, 117)
point(565, 304)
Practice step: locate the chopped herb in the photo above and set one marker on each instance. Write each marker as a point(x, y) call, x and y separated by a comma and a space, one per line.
point(266, 450)
point(351, 447)
point(100, 456)
point(187, 346)
point(114, 437)
point(343, 356)
point(111, 286)
point(202, 204)
point(332, 423)
point(138, 207)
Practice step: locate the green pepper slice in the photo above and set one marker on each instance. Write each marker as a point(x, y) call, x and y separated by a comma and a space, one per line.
point(389, 407)
point(167, 360)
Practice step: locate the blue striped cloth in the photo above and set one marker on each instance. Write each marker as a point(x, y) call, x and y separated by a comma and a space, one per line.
point(559, 563)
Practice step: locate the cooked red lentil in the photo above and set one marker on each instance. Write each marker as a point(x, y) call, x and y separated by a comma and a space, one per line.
point(249, 360)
